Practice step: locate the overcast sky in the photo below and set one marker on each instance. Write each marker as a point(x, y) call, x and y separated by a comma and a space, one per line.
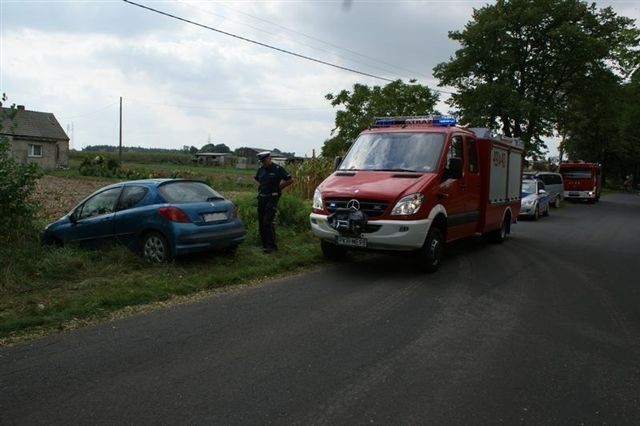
point(182, 84)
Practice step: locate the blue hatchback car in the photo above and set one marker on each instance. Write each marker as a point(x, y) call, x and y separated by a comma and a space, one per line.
point(160, 218)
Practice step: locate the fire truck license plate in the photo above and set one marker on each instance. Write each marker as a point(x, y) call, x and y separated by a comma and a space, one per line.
point(351, 241)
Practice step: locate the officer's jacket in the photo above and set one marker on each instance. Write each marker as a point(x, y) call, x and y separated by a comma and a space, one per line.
point(269, 179)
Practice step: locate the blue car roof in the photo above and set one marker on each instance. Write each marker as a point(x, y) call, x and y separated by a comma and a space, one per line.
point(145, 182)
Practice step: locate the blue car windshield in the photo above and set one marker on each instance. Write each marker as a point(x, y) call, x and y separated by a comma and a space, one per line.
point(188, 192)
point(411, 151)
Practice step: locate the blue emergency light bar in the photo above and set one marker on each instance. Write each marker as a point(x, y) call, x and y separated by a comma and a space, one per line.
point(434, 120)
point(444, 120)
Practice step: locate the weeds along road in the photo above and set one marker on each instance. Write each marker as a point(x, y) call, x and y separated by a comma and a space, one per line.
point(544, 329)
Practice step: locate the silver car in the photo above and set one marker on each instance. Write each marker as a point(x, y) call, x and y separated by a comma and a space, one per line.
point(534, 200)
point(553, 184)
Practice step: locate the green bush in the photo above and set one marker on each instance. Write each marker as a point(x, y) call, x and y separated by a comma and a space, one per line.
point(292, 216)
point(17, 183)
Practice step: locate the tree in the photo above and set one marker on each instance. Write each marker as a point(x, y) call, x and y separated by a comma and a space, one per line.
point(602, 125)
point(360, 106)
point(219, 148)
point(522, 60)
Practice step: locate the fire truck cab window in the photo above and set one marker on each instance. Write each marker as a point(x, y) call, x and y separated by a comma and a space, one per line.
point(455, 149)
point(473, 155)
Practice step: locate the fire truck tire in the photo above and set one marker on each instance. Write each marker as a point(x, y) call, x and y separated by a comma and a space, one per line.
point(499, 235)
point(431, 254)
point(332, 251)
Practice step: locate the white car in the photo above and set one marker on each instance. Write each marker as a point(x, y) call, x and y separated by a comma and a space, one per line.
point(534, 200)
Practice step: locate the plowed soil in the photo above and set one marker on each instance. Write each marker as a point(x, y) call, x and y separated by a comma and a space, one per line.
point(57, 196)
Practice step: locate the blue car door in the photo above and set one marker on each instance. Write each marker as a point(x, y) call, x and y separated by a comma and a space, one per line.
point(131, 214)
point(94, 219)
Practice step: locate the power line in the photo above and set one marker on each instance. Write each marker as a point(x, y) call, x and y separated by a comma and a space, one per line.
point(89, 113)
point(318, 40)
point(288, 52)
point(386, 70)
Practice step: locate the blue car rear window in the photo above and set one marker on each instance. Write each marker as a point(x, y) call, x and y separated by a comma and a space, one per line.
point(188, 192)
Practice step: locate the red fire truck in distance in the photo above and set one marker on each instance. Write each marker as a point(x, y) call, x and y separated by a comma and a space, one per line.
point(415, 183)
point(582, 181)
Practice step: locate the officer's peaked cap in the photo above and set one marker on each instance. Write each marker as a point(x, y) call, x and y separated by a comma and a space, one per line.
point(263, 155)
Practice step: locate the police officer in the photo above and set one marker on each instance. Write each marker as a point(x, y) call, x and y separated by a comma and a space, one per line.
point(272, 179)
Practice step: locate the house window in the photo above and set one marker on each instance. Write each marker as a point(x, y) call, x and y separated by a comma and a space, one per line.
point(35, 150)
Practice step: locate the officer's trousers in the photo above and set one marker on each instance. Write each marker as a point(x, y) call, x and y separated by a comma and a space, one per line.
point(267, 207)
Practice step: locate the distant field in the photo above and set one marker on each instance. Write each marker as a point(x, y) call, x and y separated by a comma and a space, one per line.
point(135, 157)
point(220, 178)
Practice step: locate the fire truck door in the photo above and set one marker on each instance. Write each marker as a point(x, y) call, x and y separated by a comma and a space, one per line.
point(454, 192)
point(473, 178)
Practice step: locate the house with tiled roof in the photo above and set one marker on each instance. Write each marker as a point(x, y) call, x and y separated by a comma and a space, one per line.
point(36, 137)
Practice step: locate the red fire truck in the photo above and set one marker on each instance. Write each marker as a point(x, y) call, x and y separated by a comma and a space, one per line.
point(416, 183)
point(582, 181)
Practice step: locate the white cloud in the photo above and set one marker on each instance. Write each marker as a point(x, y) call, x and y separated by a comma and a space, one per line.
point(182, 83)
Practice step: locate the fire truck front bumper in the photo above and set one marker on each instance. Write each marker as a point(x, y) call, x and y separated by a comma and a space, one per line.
point(580, 195)
point(398, 235)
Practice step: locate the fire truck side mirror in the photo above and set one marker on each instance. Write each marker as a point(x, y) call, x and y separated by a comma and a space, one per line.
point(454, 168)
point(336, 162)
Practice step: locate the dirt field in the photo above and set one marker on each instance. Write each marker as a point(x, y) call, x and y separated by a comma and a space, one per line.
point(58, 195)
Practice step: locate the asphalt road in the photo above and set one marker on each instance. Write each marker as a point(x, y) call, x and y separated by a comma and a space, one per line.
point(543, 329)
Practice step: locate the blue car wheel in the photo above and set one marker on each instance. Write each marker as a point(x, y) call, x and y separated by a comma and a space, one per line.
point(155, 247)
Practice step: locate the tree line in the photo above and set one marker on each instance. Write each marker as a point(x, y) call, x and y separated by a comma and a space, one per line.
point(530, 69)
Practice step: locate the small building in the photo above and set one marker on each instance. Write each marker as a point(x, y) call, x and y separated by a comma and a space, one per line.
point(248, 157)
point(213, 158)
point(36, 137)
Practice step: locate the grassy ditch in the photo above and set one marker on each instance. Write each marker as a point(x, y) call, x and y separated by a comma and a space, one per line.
point(43, 289)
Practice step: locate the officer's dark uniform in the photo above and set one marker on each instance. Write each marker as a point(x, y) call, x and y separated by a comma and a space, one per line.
point(269, 192)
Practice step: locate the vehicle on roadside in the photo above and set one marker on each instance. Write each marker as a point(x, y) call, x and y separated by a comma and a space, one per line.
point(412, 184)
point(582, 181)
point(535, 200)
point(159, 218)
point(553, 184)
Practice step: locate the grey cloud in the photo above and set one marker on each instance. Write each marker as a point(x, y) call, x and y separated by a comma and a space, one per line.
point(108, 17)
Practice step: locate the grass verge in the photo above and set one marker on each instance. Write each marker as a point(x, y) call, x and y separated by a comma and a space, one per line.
point(45, 289)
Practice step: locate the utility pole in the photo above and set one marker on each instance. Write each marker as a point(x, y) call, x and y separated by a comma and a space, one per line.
point(120, 148)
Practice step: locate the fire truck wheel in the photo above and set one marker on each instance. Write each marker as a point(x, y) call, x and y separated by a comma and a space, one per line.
point(431, 253)
point(499, 235)
point(332, 251)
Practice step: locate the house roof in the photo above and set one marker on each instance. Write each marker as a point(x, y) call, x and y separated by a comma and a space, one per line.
point(32, 124)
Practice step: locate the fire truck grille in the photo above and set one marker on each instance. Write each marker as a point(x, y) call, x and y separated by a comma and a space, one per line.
point(372, 208)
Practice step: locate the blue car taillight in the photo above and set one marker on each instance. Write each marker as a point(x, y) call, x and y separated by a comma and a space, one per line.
point(173, 214)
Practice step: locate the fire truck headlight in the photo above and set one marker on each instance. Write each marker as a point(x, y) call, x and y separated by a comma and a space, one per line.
point(317, 200)
point(408, 205)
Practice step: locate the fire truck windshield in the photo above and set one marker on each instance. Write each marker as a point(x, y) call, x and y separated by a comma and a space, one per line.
point(411, 151)
point(577, 173)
